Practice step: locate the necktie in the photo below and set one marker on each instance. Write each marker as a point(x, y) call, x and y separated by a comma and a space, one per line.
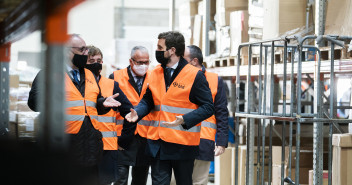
point(74, 74)
point(139, 83)
point(168, 75)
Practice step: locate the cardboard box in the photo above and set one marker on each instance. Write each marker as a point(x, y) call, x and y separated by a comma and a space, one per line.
point(325, 177)
point(239, 31)
point(305, 163)
point(14, 81)
point(223, 166)
point(281, 16)
point(242, 157)
point(225, 7)
point(27, 124)
point(22, 106)
point(306, 157)
point(303, 175)
point(342, 159)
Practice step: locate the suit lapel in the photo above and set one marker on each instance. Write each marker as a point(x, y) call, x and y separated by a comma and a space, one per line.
point(131, 80)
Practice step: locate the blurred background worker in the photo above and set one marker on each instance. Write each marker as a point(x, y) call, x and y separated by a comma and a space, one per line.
point(180, 96)
point(217, 124)
point(110, 127)
point(133, 81)
point(83, 103)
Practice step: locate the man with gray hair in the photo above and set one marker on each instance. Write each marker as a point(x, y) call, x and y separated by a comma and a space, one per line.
point(133, 82)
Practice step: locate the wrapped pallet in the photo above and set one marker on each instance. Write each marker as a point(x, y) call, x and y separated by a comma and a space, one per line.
point(186, 12)
point(197, 31)
point(281, 16)
point(225, 7)
point(338, 10)
point(238, 31)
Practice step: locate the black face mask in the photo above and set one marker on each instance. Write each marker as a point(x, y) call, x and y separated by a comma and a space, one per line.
point(159, 55)
point(95, 68)
point(79, 60)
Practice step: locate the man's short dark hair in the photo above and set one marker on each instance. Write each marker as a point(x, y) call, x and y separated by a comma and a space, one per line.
point(196, 52)
point(174, 39)
point(92, 51)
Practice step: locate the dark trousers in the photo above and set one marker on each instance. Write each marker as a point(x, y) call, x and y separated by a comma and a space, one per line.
point(162, 171)
point(139, 175)
point(108, 167)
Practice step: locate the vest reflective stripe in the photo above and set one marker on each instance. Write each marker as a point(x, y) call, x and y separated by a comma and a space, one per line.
point(77, 106)
point(74, 117)
point(121, 76)
point(91, 104)
point(209, 125)
point(77, 103)
point(176, 110)
point(108, 121)
point(146, 123)
point(179, 127)
point(109, 134)
point(154, 123)
point(208, 130)
point(172, 103)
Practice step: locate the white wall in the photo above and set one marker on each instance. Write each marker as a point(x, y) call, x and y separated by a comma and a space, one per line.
point(94, 21)
point(31, 43)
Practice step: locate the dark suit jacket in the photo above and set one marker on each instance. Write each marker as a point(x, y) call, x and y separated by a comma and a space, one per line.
point(200, 94)
point(206, 147)
point(86, 146)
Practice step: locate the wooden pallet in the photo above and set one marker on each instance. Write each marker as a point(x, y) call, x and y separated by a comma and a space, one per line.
point(339, 53)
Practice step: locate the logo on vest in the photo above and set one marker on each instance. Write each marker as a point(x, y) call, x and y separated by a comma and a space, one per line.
point(89, 81)
point(179, 85)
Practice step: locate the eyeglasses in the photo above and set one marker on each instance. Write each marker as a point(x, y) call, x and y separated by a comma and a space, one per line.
point(141, 62)
point(81, 49)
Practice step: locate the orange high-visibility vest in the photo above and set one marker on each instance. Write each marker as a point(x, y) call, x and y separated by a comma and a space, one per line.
point(77, 106)
point(108, 120)
point(171, 103)
point(208, 129)
point(121, 76)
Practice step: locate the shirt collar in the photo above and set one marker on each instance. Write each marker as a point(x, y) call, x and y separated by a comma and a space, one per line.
point(134, 75)
point(174, 66)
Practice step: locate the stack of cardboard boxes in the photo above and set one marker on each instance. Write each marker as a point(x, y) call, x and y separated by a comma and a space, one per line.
point(225, 166)
point(23, 123)
point(342, 159)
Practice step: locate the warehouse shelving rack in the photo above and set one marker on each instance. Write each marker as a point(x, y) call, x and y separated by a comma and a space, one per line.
point(21, 19)
point(267, 103)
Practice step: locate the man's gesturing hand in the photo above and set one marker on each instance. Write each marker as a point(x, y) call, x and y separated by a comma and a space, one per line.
point(111, 102)
point(179, 120)
point(132, 116)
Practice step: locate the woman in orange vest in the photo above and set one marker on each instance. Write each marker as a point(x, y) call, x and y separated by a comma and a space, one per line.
point(108, 123)
point(180, 98)
point(133, 81)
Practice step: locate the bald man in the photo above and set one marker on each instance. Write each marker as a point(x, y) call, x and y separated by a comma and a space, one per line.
point(83, 103)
